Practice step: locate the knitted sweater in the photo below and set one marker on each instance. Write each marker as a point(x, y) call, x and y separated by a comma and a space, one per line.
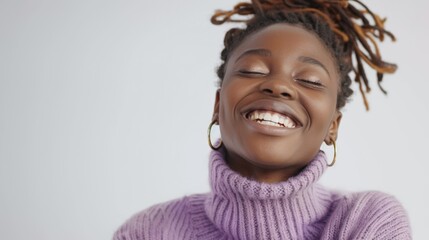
point(240, 208)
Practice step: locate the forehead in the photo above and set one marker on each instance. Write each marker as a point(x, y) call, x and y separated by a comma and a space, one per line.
point(287, 41)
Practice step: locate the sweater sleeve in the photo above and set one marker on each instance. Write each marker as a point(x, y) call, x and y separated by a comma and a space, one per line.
point(373, 215)
point(387, 217)
point(142, 225)
point(161, 221)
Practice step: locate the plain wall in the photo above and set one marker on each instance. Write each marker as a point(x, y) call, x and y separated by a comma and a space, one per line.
point(104, 107)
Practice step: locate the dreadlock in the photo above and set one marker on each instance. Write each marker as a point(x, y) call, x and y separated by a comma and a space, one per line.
point(348, 30)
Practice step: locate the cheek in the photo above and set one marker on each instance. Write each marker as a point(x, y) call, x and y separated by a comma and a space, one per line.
point(321, 110)
point(232, 93)
point(227, 103)
point(227, 116)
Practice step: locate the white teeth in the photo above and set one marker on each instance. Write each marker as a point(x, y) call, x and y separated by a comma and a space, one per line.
point(282, 120)
point(271, 119)
point(275, 118)
point(269, 123)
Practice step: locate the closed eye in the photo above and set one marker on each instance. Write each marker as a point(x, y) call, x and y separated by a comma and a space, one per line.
point(316, 83)
point(247, 72)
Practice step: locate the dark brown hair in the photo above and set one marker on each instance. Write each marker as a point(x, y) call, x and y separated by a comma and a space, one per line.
point(349, 29)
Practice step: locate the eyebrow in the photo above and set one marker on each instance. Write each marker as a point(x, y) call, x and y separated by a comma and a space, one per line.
point(313, 61)
point(258, 51)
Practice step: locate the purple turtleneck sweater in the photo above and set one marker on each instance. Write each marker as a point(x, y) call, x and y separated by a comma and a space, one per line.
point(299, 208)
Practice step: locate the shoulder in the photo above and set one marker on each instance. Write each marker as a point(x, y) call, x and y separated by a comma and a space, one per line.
point(160, 219)
point(371, 215)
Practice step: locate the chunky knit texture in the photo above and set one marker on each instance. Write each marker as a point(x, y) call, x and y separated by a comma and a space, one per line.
point(240, 208)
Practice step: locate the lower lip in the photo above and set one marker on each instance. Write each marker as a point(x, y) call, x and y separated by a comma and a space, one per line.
point(267, 129)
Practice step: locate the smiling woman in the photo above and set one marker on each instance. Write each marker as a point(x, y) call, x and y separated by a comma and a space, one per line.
point(283, 81)
point(283, 84)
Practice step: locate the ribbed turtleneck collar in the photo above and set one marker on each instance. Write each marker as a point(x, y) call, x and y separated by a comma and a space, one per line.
point(246, 209)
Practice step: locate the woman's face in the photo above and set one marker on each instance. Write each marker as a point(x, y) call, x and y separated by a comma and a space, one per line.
point(277, 102)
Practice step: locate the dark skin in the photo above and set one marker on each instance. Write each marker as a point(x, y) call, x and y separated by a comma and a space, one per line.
point(283, 72)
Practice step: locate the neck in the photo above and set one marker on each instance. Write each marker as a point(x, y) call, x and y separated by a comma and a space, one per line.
point(260, 172)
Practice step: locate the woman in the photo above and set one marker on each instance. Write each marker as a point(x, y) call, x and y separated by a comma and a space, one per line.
point(283, 80)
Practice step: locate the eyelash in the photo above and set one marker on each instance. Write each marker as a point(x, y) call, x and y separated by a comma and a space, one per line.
point(305, 81)
point(315, 83)
point(251, 72)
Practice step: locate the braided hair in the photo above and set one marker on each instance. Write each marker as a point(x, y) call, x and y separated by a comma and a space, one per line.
point(348, 28)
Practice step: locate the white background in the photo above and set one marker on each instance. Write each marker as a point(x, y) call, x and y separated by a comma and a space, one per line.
point(104, 107)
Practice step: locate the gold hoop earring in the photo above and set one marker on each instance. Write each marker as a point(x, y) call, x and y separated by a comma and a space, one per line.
point(335, 154)
point(209, 130)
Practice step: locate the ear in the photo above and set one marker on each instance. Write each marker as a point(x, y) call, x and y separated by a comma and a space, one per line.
point(216, 107)
point(333, 129)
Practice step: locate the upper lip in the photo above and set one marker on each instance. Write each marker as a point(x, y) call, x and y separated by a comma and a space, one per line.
point(274, 106)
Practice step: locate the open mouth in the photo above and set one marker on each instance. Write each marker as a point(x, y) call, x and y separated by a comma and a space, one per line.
point(271, 118)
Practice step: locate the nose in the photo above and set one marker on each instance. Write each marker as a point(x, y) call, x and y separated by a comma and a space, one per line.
point(277, 87)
